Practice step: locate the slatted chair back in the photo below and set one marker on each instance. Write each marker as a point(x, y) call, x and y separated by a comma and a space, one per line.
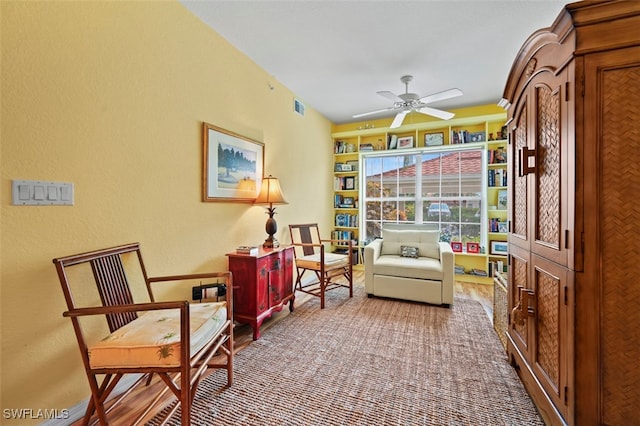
point(307, 233)
point(110, 279)
point(113, 287)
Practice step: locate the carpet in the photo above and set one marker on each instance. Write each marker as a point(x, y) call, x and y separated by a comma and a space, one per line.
point(364, 361)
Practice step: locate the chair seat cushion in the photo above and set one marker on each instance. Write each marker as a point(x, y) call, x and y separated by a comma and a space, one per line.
point(424, 268)
point(153, 339)
point(331, 261)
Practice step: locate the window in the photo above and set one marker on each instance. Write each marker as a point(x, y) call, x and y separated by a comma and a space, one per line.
point(425, 186)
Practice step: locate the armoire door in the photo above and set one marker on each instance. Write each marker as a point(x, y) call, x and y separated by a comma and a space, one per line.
point(540, 158)
point(607, 292)
point(541, 324)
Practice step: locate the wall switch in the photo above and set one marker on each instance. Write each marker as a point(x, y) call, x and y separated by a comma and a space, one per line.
point(41, 193)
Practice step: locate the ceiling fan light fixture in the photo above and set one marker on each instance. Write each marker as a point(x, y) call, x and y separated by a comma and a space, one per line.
point(407, 102)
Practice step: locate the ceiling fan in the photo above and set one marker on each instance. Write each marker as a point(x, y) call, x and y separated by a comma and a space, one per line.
point(407, 102)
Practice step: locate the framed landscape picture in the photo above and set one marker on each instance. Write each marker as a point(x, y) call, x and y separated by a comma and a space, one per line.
point(232, 168)
point(434, 139)
point(500, 248)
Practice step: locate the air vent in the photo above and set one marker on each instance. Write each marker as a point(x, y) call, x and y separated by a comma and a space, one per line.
point(298, 107)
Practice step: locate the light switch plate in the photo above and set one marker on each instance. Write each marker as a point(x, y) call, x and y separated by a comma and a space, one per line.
point(41, 193)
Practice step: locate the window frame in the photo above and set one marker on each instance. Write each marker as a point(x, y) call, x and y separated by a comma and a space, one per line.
point(418, 199)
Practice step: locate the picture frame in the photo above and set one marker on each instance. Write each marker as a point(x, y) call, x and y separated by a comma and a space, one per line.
point(232, 166)
point(499, 248)
point(456, 246)
point(434, 139)
point(347, 202)
point(350, 183)
point(473, 247)
point(405, 142)
point(503, 227)
point(502, 199)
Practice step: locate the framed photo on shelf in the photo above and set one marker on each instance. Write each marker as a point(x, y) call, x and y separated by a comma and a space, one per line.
point(456, 246)
point(503, 227)
point(233, 166)
point(350, 183)
point(347, 202)
point(502, 199)
point(405, 142)
point(473, 248)
point(499, 248)
point(434, 139)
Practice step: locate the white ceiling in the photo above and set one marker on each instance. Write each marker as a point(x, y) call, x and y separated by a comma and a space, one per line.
point(335, 55)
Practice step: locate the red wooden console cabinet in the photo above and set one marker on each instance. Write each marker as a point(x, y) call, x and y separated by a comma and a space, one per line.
point(263, 284)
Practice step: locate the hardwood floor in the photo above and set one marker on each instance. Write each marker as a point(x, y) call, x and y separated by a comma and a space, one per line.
point(128, 411)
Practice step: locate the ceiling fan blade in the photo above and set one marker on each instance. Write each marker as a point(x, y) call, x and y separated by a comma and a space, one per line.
point(445, 115)
point(391, 96)
point(440, 96)
point(372, 112)
point(399, 119)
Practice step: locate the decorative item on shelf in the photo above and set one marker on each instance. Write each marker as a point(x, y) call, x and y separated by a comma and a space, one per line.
point(456, 246)
point(473, 248)
point(347, 202)
point(477, 137)
point(252, 250)
point(498, 155)
point(392, 142)
point(434, 139)
point(270, 193)
point(502, 199)
point(350, 183)
point(499, 248)
point(405, 142)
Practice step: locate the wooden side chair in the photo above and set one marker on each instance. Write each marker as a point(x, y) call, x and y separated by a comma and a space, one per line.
point(175, 340)
point(311, 255)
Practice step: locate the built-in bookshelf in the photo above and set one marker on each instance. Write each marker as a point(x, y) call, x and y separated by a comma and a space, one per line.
point(485, 130)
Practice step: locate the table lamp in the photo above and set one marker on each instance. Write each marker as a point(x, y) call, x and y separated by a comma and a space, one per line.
point(270, 193)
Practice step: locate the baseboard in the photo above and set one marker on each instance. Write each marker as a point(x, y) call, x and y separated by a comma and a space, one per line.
point(76, 412)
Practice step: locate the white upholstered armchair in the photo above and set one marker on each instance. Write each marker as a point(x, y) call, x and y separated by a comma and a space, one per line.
point(410, 264)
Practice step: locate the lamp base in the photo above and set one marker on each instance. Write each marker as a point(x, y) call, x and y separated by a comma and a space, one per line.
point(271, 243)
point(271, 227)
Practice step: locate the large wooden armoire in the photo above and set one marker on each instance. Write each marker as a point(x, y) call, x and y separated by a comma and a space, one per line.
point(573, 101)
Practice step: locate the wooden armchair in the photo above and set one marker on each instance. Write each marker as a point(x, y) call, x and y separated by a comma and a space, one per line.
point(311, 255)
point(176, 340)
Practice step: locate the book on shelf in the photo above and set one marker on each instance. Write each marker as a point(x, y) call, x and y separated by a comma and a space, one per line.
point(252, 250)
point(497, 177)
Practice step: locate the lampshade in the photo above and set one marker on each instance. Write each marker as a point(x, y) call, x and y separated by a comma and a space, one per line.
point(270, 192)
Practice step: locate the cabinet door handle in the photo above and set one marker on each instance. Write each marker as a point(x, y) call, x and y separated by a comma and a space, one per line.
point(523, 161)
point(528, 298)
point(524, 308)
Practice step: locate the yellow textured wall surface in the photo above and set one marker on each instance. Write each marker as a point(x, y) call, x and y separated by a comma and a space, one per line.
point(111, 96)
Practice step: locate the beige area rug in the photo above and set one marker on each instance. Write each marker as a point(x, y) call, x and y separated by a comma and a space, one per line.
point(364, 361)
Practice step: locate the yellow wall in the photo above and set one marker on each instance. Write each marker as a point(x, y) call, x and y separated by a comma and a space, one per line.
point(111, 96)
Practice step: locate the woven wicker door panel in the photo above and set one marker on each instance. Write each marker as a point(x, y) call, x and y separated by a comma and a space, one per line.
point(619, 153)
point(553, 346)
point(547, 226)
